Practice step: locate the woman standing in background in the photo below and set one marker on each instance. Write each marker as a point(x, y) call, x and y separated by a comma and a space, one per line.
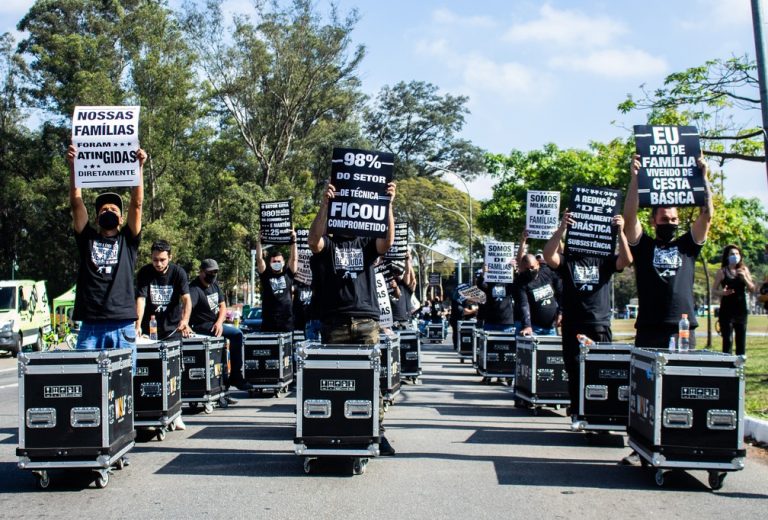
point(732, 282)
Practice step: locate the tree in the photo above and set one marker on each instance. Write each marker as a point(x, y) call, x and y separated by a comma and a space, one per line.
point(285, 81)
point(414, 122)
point(716, 97)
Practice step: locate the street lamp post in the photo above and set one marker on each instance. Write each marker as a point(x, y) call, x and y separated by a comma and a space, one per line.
point(469, 227)
point(469, 203)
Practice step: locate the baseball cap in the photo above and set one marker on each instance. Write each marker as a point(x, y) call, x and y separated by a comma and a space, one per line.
point(109, 198)
point(209, 264)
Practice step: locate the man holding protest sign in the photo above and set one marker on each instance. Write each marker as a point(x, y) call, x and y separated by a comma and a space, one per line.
point(664, 266)
point(277, 287)
point(104, 300)
point(538, 293)
point(586, 280)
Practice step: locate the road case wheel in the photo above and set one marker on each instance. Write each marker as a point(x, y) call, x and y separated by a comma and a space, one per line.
point(172, 426)
point(308, 465)
point(222, 402)
point(209, 408)
point(358, 466)
point(43, 480)
point(119, 464)
point(160, 434)
point(102, 479)
point(716, 479)
point(659, 477)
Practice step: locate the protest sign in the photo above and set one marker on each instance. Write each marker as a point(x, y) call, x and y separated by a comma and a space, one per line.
point(473, 294)
point(400, 246)
point(499, 258)
point(276, 222)
point(385, 269)
point(107, 142)
point(592, 209)
point(669, 174)
point(303, 270)
point(542, 213)
point(360, 206)
point(434, 279)
point(385, 306)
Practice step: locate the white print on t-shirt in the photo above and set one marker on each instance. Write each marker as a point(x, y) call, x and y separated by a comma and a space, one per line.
point(160, 296)
point(104, 255)
point(213, 301)
point(499, 292)
point(278, 285)
point(543, 294)
point(305, 295)
point(586, 276)
point(349, 260)
point(666, 261)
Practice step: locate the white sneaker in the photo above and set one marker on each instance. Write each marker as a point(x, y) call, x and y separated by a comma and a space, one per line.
point(178, 423)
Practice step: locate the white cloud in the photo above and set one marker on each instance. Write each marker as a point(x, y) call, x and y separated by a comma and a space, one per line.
point(727, 12)
point(566, 28)
point(613, 63)
point(18, 8)
point(448, 17)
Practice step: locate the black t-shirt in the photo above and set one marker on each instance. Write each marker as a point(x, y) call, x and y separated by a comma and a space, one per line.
point(343, 278)
point(162, 292)
point(499, 306)
point(401, 307)
point(587, 289)
point(205, 304)
point(105, 276)
point(540, 299)
point(733, 305)
point(664, 273)
point(277, 297)
point(302, 303)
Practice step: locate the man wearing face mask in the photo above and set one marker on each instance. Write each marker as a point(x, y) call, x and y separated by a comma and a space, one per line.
point(664, 265)
point(538, 293)
point(277, 288)
point(104, 300)
point(209, 310)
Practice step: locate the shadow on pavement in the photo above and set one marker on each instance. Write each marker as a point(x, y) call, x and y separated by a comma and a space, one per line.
point(13, 436)
point(253, 432)
point(243, 464)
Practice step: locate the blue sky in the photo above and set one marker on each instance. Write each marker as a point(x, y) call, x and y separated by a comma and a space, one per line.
point(539, 72)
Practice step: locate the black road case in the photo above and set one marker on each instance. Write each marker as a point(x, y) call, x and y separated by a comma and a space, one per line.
point(337, 402)
point(75, 411)
point(603, 387)
point(390, 368)
point(202, 379)
point(157, 385)
point(466, 339)
point(410, 354)
point(268, 361)
point(496, 353)
point(435, 332)
point(540, 376)
point(686, 411)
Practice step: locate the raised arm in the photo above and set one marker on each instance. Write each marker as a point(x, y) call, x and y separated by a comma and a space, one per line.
point(700, 227)
point(137, 197)
point(260, 264)
point(551, 251)
point(79, 212)
point(293, 261)
point(319, 225)
point(521, 249)
point(625, 255)
point(632, 227)
point(383, 244)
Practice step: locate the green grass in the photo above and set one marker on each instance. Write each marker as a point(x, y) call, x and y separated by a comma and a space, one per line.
point(757, 359)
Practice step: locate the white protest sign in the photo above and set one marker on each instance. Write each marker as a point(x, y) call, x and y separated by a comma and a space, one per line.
point(303, 270)
point(107, 141)
point(385, 306)
point(473, 294)
point(542, 213)
point(499, 260)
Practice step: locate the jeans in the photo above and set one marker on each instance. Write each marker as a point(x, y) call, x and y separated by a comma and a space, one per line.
point(355, 331)
point(104, 335)
point(312, 330)
point(730, 327)
point(572, 349)
point(538, 331)
point(234, 376)
point(498, 327)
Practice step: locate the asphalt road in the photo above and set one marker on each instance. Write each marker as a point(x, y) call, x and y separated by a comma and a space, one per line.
point(462, 452)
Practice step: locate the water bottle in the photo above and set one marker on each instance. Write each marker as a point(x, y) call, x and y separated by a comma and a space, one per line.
point(684, 334)
point(672, 345)
point(152, 328)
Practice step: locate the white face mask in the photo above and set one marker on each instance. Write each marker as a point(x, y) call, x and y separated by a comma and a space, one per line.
point(733, 259)
point(276, 266)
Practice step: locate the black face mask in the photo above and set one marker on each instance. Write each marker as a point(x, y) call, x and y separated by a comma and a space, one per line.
point(209, 278)
point(108, 221)
point(666, 232)
point(529, 275)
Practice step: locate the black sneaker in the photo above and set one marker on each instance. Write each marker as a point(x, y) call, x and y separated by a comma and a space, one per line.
point(245, 387)
point(633, 459)
point(385, 448)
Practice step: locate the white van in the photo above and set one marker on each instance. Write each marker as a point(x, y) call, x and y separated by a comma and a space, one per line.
point(24, 315)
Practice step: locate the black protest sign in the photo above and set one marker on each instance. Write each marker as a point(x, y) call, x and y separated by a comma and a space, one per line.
point(473, 294)
point(361, 205)
point(276, 223)
point(669, 174)
point(399, 247)
point(434, 279)
point(385, 269)
point(303, 270)
point(592, 209)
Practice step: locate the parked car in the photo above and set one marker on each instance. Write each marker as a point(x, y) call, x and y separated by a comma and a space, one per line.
point(25, 317)
point(252, 321)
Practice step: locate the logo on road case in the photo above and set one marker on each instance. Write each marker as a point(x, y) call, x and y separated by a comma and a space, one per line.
point(62, 391)
point(699, 393)
point(337, 385)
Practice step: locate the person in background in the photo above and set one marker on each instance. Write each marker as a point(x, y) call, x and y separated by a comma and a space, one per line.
point(732, 284)
point(276, 282)
point(538, 290)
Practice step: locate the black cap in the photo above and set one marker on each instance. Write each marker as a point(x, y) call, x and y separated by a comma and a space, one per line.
point(209, 264)
point(109, 198)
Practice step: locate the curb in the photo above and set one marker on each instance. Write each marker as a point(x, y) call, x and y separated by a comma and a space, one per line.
point(756, 429)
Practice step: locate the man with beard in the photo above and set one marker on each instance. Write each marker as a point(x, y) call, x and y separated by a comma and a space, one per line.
point(104, 299)
point(664, 265)
point(277, 288)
